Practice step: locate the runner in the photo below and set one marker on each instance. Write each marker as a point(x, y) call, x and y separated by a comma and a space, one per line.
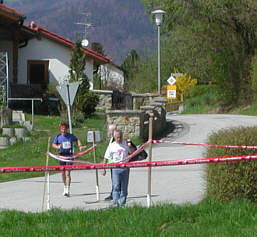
point(64, 143)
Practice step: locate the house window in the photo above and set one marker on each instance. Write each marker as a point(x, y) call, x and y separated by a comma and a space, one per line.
point(38, 74)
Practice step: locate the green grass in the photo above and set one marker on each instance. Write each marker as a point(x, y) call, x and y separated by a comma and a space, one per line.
point(201, 99)
point(33, 153)
point(198, 109)
point(246, 110)
point(208, 218)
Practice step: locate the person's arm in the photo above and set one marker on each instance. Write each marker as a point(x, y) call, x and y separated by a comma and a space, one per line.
point(79, 145)
point(106, 157)
point(56, 146)
point(104, 170)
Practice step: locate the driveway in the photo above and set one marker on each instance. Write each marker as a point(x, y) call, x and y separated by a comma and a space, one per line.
point(175, 184)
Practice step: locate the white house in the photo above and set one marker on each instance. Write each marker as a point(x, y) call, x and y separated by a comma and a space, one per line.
point(36, 56)
point(111, 75)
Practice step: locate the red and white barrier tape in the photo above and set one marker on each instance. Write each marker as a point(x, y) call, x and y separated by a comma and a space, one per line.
point(202, 144)
point(66, 158)
point(60, 158)
point(77, 155)
point(129, 164)
point(136, 152)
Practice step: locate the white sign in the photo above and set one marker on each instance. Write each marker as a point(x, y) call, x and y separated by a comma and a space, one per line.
point(171, 80)
point(171, 93)
point(90, 136)
point(68, 91)
point(177, 74)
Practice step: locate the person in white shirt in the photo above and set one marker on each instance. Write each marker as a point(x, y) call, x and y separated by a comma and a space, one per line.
point(111, 129)
point(116, 152)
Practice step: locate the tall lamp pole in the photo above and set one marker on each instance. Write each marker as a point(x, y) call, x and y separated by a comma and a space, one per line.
point(158, 21)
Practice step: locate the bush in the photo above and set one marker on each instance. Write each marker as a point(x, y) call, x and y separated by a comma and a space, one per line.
point(89, 103)
point(78, 119)
point(227, 181)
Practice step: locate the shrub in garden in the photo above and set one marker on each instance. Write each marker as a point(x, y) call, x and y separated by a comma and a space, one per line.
point(227, 181)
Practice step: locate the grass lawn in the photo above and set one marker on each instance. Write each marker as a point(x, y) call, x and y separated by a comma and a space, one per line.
point(32, 153)
point(206, 219)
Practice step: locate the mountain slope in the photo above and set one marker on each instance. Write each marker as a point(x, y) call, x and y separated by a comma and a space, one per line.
point(117, 24)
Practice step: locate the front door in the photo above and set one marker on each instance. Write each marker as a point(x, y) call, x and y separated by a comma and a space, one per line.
point(38, 74)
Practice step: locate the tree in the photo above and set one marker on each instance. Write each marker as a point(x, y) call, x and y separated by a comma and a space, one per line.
point(85, 101)
point(184, 83)
point(213, 40)
point(98, 84)
point(130, 65)
point(78, 65)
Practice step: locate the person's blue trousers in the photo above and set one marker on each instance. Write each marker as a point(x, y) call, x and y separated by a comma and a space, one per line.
point(120, 178)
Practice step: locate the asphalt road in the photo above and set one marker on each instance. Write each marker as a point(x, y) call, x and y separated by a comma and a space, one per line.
point(176, 184)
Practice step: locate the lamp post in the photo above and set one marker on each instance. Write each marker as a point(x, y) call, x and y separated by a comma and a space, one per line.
point(158, 21)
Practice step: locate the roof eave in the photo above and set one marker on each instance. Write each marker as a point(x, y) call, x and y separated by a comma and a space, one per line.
point(11, 13)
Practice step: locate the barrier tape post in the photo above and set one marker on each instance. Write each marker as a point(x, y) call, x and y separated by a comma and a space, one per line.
point(47, 180)
point(96, 171)
point(150, 136)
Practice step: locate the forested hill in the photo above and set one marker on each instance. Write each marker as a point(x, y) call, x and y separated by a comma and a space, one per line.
point(119, 25)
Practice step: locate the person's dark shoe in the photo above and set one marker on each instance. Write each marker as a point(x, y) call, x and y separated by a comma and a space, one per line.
point(109, 198)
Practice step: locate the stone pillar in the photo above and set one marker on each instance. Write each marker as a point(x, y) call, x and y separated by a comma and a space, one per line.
point(5, 116)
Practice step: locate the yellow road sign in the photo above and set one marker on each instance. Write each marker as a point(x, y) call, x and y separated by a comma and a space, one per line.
point(171, 91)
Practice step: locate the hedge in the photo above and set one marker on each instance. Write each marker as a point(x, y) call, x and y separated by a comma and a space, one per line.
point(227, 181)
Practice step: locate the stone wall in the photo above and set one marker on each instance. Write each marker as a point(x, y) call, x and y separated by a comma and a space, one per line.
point(130, 122)
point(142, 99)
point(134, 123)
point(105, 100)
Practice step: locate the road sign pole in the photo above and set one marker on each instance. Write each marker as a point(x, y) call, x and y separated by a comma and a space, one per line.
point(68, 108)
point(68, 92)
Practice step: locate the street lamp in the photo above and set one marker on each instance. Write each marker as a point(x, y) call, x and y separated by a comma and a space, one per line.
point(158, 21)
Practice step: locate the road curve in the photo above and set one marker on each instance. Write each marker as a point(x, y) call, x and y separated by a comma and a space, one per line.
point(176, 184)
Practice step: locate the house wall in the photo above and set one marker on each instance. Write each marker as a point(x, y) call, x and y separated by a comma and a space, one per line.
point(58, 56)
point(112, 76)
point(7, 46)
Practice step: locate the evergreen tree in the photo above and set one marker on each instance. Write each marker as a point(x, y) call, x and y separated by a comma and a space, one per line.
point(85, 101)
point(78, 65)
point(130, 66)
